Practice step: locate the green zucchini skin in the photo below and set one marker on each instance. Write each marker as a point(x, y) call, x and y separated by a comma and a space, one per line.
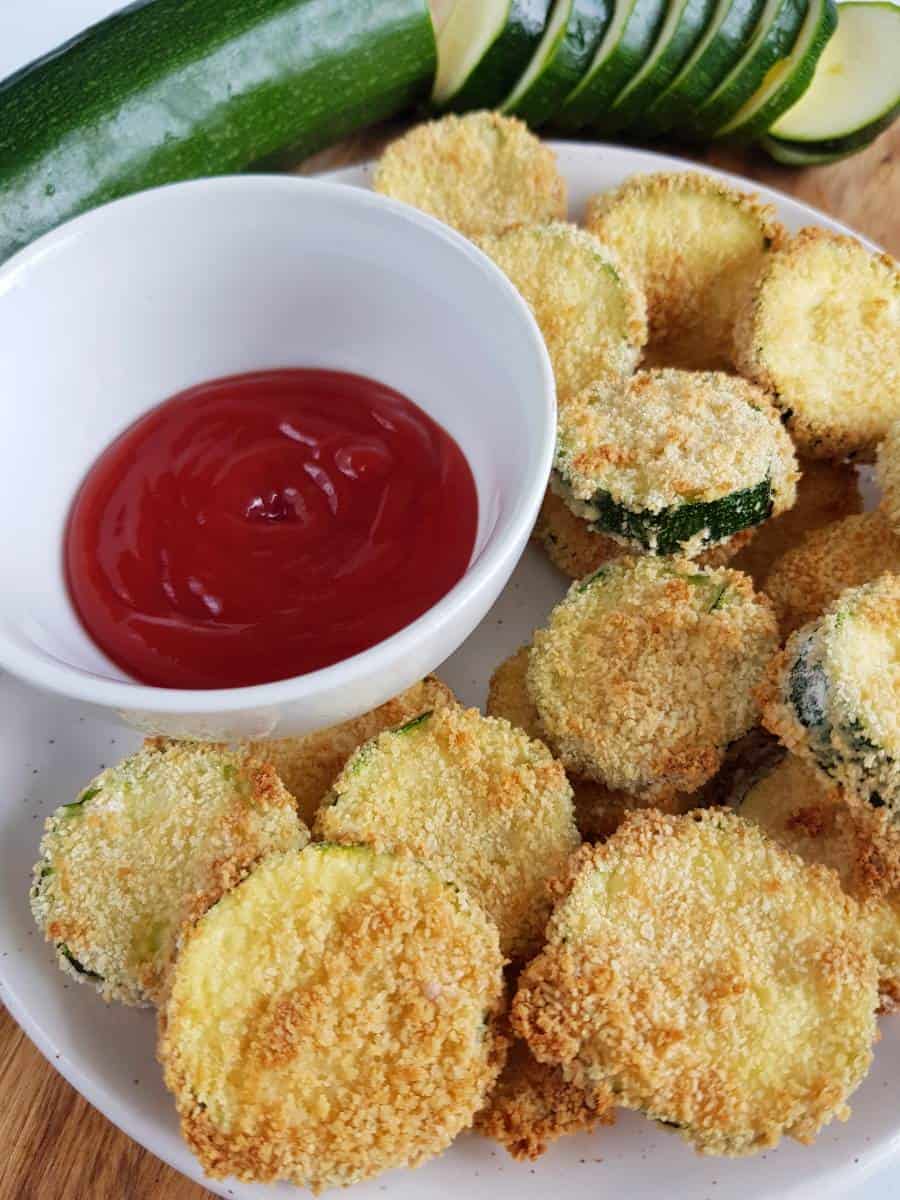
point(566, 63)
point(826, 150)
point(705, 69)
point(666, 532)
point(495, 75)
point(173, 89)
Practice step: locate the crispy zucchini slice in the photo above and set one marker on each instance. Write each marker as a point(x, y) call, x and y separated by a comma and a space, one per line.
point(488, 806)
point(821, 332)
point(695, 244)
point(793, 806)
point(332, 1018)
point(889, 476)
point(674, 462)
point(833, 694)
point(589, 309)
point(707, 978)
point(645, 672)
point(482, 173)
point(146, 844)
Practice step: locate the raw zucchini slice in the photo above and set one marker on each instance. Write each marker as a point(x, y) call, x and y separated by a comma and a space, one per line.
point(675, 462)
point(684, 23)
point(626, 43)
point(799, 154)
point(856, 91)
point(788, 79)
point(722, 44)
point(561, 59)
point(772, 40)
point(483, 48)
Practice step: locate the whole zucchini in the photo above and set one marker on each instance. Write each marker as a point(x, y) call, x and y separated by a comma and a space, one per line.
point(173, 89)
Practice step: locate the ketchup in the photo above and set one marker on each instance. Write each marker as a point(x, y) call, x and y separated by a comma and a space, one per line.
point(265, 525)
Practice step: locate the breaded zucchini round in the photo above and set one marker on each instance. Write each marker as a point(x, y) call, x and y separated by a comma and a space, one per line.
point(821, 332)
point(833, 694)
point(695, 244)
point(793, 806)
point(806, 579)
point(478, 799)
point(645, 672)
point(707, 978)
point(889, 476)
point(482, 173)
point(145, 845)
point(826, 492)
point(588, 307)
point(674, 462)
point(332, 1018)
point(309, 765)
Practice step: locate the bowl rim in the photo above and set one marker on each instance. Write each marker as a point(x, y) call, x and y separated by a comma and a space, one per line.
point(77, 683)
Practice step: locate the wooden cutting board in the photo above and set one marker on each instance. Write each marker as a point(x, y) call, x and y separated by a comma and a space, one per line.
point(53, 1145)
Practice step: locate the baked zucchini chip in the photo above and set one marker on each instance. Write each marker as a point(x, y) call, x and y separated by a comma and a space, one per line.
point(708, 978)
point(481, 173)
point(674, 462)
point(486, 805)
point(695, 244)
point(646, 670)
point(791, 804)
point(811, 576)
point(588, 307)
point(331, 1018)
point(821, 332)
point(309, 765)
point(833, 694)
point(146, 844)
point(889, 477)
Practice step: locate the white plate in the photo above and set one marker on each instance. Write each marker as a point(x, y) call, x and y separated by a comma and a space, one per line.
point(48, 749)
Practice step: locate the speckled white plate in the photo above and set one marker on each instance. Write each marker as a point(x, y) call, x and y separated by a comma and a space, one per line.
point(48, 749)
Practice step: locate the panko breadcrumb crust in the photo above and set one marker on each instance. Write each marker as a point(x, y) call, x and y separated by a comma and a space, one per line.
point(708, 978)
point(696, 245)
point(475, 797)
point(645, 672)
point(810, 576)
point(149, 844)
point(590, 311)
point(481, 173)
point(821, 332)
point(309, 765)
point(889, 477)
point(826, 492)
point(791, 804)
point(331, 1018)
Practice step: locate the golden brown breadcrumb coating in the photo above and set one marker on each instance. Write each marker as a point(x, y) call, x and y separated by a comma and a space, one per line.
point(309, 765)
point(695, 244)
point(588, 307)
point(821, 332)
point(645, 672)
point(146, 844)
point(793, 806)
point(487, 805)
point(805, 580)
point(889, 476)
point(826, 492)
point(708, 978)
point(482, 173)
point(331, 1018)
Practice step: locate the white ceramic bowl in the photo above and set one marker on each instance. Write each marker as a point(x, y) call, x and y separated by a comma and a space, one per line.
point(117, 310)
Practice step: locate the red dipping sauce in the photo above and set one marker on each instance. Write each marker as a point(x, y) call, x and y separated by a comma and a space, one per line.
point(265, 525)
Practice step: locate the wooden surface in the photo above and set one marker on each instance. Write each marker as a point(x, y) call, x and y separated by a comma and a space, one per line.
point(53, 1145)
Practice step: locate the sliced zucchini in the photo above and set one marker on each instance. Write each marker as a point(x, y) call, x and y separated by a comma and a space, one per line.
point(789, 78)
point(483, 48)
point(561, 59)
point(772, 40)
point(626, 43)
point(856, 91)
point(722, 44)
point(679, 33)
point(675, 462)
point(798, 154)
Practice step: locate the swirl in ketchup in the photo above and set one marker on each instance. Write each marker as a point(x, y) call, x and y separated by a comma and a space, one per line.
point(265, 525)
